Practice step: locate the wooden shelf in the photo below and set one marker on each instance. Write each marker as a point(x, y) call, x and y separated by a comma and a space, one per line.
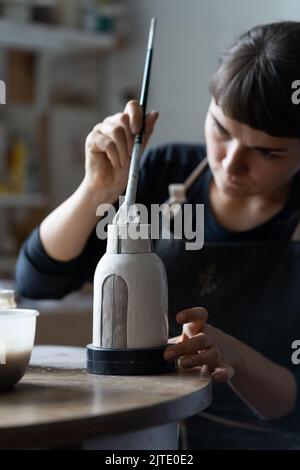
point(26, 200)
point(37, 37)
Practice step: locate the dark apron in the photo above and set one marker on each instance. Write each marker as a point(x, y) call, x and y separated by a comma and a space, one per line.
point(252, 292)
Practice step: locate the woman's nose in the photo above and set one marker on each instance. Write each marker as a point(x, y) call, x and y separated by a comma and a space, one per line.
point(234, 162)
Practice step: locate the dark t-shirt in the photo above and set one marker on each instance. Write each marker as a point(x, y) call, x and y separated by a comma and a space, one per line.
point(39, 276)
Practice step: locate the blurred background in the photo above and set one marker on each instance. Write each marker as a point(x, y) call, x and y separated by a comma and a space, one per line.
point(66, 65)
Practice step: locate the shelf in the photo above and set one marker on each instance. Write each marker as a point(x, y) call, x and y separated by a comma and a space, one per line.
point(25, 200)
point(37, 37)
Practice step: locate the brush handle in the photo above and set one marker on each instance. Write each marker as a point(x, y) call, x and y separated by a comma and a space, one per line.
point(134, 170)
point(146, 77)
point(133, 177)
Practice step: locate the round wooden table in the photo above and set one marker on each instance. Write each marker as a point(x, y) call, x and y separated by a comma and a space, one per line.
point(57, 403)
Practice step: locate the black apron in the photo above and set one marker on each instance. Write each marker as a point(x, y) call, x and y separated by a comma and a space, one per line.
point(252, 292)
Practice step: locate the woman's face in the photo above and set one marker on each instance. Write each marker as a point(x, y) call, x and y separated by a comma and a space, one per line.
point(247, 162)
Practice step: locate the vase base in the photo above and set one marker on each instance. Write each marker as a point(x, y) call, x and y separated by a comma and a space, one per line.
point(143, 361)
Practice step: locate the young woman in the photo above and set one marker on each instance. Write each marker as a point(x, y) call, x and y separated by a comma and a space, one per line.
point(244, 284)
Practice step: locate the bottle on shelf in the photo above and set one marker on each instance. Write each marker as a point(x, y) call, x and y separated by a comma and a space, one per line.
point(98, 16)
point(88, 15)
point(105, 21)
point(32, 170)
point(67, 13)
point(17, 165)
point(16, 10)
point(3, 148)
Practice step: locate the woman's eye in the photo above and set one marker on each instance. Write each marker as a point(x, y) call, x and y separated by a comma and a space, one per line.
point(221, 130)
point(268, 155)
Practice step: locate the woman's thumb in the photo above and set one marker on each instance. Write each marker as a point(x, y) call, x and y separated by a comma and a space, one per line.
point(222, 373)
point(150, 122)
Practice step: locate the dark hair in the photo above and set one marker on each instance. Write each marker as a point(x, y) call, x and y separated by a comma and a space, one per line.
point(253, 83)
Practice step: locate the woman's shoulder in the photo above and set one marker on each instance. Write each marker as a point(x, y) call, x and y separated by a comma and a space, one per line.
point(183, 157)
point(166, 164)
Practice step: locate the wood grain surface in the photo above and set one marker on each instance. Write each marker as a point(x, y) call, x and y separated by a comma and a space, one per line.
point(58, 402)
point(114, 313)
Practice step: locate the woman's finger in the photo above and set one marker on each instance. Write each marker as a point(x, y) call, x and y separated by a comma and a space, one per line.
point(209, 357)
point(192, 346)
point(193, 321)
point(195, 314)
point(116, 132)
point(99, 143)
point(125, 123)
point(150, 122)
point(222, 373)
point(117, 120)
point(135, 113)
point(175, 340)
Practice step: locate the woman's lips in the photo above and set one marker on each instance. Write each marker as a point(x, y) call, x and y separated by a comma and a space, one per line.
point(232, 181)
point(231, 184)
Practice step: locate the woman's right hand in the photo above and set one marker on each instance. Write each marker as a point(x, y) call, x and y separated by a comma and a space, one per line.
point(108, 150)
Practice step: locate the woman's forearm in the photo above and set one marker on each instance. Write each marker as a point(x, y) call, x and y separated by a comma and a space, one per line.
point(108, 149)
point(66, 230)
point(268, 388)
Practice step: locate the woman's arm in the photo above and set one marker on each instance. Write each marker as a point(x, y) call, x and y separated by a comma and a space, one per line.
point(66, 230)
point(63, 252)
point(108, 151)
point(269, 389)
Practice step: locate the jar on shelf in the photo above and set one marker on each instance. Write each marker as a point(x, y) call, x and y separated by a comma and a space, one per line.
point(67, 13)
point(17, 10)
point(88, 10)
point(17, 164)
point(101, 16)
point(105, 20)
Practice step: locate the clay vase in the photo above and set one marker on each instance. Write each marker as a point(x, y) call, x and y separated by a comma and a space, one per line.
point(130, 293)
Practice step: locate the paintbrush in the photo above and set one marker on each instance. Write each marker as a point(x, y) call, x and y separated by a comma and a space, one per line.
point(124, 214)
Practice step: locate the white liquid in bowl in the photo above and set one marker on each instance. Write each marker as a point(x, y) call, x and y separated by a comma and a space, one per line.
point(17, 331)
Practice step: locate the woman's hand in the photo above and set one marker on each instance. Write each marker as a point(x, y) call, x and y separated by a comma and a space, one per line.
point(203, 345)
point(109, 147)
point(228, 359)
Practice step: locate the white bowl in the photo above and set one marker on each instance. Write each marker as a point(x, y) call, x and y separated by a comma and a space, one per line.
point(17, 332)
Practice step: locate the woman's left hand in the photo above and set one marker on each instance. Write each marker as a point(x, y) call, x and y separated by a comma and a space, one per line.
point(203, 345)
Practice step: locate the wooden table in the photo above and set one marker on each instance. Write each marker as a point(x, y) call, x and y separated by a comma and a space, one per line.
point(58, 403)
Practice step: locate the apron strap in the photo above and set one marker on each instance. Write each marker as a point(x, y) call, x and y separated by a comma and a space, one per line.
point(177, 194)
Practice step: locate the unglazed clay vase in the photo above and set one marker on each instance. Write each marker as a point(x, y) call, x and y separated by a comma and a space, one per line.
point(130, 293)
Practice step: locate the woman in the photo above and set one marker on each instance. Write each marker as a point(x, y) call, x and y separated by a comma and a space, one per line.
point(247, 275)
